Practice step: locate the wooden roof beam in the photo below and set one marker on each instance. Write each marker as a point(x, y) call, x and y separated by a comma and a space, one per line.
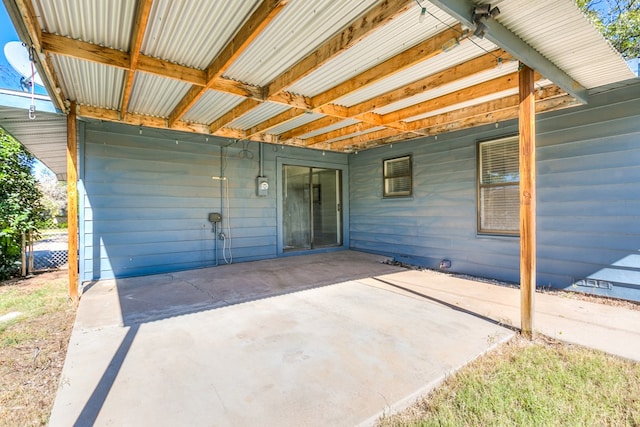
point(252, 27)
point(460, 71)
point(139, 27)
point(26, 23)
point(277, 120)
point(59, 45)
point(338, 133)
point(462, 10)
point(242, 108)
point(378, 16)
point(321, 103)
point(405, 59)
point(320, 123)
point(498, 84)
point(485, 108)
point(360, 141)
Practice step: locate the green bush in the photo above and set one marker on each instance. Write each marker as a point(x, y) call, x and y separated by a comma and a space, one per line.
point(21, 208)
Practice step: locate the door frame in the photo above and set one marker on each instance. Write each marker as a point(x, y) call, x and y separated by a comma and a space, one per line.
point(344, 170)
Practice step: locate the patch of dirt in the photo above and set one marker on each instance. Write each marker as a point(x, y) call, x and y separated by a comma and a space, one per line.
point(30, 370)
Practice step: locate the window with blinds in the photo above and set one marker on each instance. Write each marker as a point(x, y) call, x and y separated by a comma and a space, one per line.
point(397, 177)
point(499, 186)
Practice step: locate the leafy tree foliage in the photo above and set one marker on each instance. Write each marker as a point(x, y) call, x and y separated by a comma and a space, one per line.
point(619, 22)
point(20, 202)
point(54, 198)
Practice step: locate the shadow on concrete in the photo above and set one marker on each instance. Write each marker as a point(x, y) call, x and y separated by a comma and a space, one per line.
point(92, 408)
point(154, 298)
point(448, 305)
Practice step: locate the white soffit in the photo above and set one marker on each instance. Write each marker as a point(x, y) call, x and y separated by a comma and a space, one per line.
point(111, 20)
point(211, 106)
point(156, 96)
point(465, 51)
point(45, 137)
point(192, 33)
point(298, 29)
point(81, 78)
point(263, 112)
point(482, 77)
point(398, 35)
point(582, 52)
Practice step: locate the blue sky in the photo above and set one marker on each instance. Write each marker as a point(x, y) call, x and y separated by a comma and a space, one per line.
point(9, 79)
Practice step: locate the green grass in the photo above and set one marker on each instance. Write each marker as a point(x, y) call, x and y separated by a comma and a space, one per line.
point(526, 384)
point(32, 303)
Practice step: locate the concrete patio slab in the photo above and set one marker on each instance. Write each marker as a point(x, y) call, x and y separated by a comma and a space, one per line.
point(305, 340)
point(612, 329)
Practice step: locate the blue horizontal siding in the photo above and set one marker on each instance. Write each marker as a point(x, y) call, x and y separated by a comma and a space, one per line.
point(588, 200)
point(145, 200)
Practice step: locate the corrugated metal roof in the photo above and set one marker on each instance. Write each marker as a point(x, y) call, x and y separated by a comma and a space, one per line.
point(105, 23)
point(335, 126)
point(192, 32)
point(89, 83)
point(45, 137)
point(475, 101)
point(540, 23)
point(297, 122)
point(364, 132)
point(507, 68)
point(300, 28)
point(391, 39)
point(169, 34)
point(258, 115)
point(156, 96)
point(465, 51)
point(212, 105)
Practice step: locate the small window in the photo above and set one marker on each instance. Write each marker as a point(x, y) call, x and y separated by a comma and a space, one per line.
point(397, 177)
point(499, 186)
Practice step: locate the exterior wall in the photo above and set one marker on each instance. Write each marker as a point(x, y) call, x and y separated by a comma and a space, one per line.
point(588, 203)
point(145, 196)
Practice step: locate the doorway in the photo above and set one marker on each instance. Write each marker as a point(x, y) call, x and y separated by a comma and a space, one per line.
point(312, 207)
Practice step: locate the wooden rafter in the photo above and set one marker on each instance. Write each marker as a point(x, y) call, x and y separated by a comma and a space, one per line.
point(277, 120)
point(322, 103)
point(496, 116)
point(258, 21)
point(59, 45)
point(414, 55)
point(463, 70)
point(486, 109)
point(358, 30)
point(498, 84)
point(234, 113)
point(338, 133)
point(139, 27)
point(25, 8)
point(361, 141)
point(320, 123)
point(396, 126)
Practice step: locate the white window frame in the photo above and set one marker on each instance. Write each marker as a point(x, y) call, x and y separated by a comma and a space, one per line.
point(498, 198)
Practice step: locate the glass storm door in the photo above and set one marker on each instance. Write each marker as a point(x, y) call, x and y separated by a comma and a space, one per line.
point(312, 203)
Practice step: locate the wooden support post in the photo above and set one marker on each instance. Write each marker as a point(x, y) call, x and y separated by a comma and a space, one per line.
point(527, 129)
point(72, 201)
